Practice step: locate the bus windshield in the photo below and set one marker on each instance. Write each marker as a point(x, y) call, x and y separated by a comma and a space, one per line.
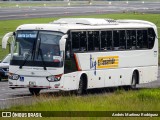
point(37, 48)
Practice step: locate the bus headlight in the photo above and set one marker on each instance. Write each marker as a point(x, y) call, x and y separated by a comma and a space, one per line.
point(54, 78)
point(13, 76)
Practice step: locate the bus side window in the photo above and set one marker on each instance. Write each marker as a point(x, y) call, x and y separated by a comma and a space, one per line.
point(93, 41)
point(151, 38)
point(145, 39)
point(106, 40)
point(109, 40)
point(131, 39)
point(75, 41)
point(103, 40)
point(116, 39)
point(79, 41)
point(83, 41)
point(97, 41)
point(122, 40)
point(139, 39)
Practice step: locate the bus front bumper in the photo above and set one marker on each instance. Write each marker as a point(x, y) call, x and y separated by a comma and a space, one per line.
point(41, 83)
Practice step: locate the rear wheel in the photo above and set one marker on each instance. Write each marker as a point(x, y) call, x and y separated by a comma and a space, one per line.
point(134, 80)
point(34, 91)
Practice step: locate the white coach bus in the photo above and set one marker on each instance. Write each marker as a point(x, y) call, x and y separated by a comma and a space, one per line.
point(82, 53)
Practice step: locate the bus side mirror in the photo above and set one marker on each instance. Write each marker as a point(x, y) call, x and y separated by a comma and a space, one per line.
point(5, 39)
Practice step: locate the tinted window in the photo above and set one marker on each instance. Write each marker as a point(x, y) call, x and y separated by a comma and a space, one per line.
point(145, 39)
point(116, 36)
point(113, 40)
point(142, 40)
point(151, 38)
point(79, 41)
point(93, 40)
point(131, 39)
point(75, 41)
point(122, 40)
point(106, 40)
point(83, 41)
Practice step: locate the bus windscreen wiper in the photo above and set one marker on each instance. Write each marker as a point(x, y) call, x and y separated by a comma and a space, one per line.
point(39, 50)
point(44, 65)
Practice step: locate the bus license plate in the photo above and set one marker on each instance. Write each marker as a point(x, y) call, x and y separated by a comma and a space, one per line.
point(32, 83)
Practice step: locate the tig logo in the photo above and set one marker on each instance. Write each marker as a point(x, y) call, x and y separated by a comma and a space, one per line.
point(93, 64)
point(6, 114)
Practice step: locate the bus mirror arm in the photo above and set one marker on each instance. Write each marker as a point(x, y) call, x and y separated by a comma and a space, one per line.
point(5, 39)
point(64, 37)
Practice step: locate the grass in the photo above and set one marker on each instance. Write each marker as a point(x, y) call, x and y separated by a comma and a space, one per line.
point(142, 100)
point(137, 100)
point(11, 25)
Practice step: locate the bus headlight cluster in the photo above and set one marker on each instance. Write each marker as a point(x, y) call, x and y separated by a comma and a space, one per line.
point(13, 76)
point(54, 78)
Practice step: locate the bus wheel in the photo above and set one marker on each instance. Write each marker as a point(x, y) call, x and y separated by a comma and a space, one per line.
point(134, 80)
point(34, 91)
point(81, 88)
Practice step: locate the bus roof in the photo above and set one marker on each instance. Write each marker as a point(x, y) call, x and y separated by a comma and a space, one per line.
point(65, 24)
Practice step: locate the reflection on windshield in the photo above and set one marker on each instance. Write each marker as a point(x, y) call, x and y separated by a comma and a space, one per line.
point(49, 45)
point(38, 46)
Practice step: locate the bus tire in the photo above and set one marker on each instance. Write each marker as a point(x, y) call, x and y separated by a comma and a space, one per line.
point(34, 91)
point(134, 80)
point(82, 86)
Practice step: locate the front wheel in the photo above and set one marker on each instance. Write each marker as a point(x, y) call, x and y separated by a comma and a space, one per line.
point(34, 91)
point(81, 89)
